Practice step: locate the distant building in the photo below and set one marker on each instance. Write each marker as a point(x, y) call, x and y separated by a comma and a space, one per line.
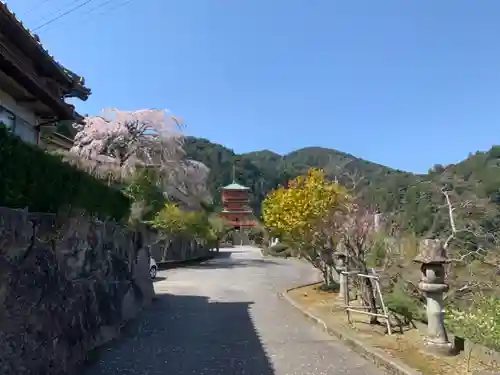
point(34, 86)
point(236, 206)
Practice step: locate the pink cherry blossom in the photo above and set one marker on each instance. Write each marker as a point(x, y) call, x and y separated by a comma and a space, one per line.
point(125, 141)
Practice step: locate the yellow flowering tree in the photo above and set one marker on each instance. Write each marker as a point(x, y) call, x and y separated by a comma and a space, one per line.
point(293, 212)
point(170, 220)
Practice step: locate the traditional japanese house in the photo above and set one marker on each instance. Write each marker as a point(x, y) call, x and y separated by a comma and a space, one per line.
point(34, 86)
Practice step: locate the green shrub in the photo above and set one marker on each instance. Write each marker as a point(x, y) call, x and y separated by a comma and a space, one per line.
point(333, 287)
point(401, 303)
point(480, 324)
point(280, 250)
point(257, 234)
point(30, 177)
point(376, 256)
point(279, 247)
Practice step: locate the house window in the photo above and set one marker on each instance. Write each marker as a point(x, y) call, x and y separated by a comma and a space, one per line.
point(18, 126)
point(25, 131)
point(7, 118)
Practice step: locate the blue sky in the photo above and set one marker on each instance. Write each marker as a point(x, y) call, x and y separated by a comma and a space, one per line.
point(403, 83)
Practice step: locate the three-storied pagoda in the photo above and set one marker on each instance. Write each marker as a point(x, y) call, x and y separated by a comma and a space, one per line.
point(236, 206)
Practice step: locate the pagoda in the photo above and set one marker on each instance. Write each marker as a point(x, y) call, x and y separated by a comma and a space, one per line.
point(236, 206)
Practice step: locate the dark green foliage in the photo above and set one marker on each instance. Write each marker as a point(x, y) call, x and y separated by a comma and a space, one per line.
point(280, 250)
point(66, 128)
point(265, 170)
point(279, 247)
point(401, 303)
point(30, 177)
point(220, 160)
point(145, 192)
point(376, 256)
point(333, 287)
point(415, 200)
point(257, 235)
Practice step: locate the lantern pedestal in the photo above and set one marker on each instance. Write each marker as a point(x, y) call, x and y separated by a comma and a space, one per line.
point(340, 265)
point(432, 257)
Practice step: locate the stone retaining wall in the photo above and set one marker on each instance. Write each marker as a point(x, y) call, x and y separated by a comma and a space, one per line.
point(179, 250)
point(67, 285)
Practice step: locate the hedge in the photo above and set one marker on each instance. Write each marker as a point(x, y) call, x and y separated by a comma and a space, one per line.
point(30, 177)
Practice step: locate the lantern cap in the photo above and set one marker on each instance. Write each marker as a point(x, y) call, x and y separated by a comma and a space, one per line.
point(431, 251)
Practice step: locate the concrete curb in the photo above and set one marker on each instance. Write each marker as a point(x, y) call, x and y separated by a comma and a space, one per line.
point(377, 356)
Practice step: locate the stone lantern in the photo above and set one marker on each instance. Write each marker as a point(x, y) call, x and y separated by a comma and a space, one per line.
point(432, 257)
point(341, 266)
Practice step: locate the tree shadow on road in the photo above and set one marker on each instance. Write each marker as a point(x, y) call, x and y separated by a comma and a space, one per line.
point(235, 263)
point(180, 264)
point(159, 278)
point(184, 335)
point(223, 259)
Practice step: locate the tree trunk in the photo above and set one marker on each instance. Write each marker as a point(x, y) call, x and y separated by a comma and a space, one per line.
point(324, 271)
point(370, 300)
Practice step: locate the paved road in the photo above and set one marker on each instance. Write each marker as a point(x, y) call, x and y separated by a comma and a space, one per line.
point(224, 318)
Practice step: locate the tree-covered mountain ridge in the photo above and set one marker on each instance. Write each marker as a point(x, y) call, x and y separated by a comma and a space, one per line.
point(415, 196)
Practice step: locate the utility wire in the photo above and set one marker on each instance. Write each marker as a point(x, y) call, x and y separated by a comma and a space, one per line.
point(118, 6)
point(101, 5)
point(98, 6)
point(55, 11)
point(30, 10)
point(71, 10)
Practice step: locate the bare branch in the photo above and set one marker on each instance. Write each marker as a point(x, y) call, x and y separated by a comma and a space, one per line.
point(480, 251)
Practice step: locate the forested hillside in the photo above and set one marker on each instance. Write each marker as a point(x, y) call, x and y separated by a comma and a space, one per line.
point(416, 199)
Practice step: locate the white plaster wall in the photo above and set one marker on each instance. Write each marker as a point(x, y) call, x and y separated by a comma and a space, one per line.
point(8, 102)
point(25, 118)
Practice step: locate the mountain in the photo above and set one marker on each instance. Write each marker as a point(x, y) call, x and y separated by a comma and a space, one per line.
point(416, 199)
point(255, 175)
point(264, 170)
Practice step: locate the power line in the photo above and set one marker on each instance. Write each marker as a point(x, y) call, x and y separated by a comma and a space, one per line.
point(71, 10)
point(108, 10)
point(55, 11)
point(98, 6)
point(120, 5)
point(103, 4)
point(30, 10)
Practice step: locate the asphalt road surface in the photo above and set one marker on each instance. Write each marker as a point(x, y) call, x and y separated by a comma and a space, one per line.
point(224, 317)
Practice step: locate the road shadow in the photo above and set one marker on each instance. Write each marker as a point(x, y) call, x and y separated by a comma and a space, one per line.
point(235, 263)
point(159, 278)
point(223, 254)
point(223, 259)
point(185, 263)
point(187, 335)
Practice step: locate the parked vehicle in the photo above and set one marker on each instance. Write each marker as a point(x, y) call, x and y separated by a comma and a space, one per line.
point(153, 268)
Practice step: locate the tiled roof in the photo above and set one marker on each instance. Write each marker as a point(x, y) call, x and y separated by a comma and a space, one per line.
point(70, 76)
point(235, 186)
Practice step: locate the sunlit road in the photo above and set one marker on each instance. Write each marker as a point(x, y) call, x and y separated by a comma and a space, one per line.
point(224, 317)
